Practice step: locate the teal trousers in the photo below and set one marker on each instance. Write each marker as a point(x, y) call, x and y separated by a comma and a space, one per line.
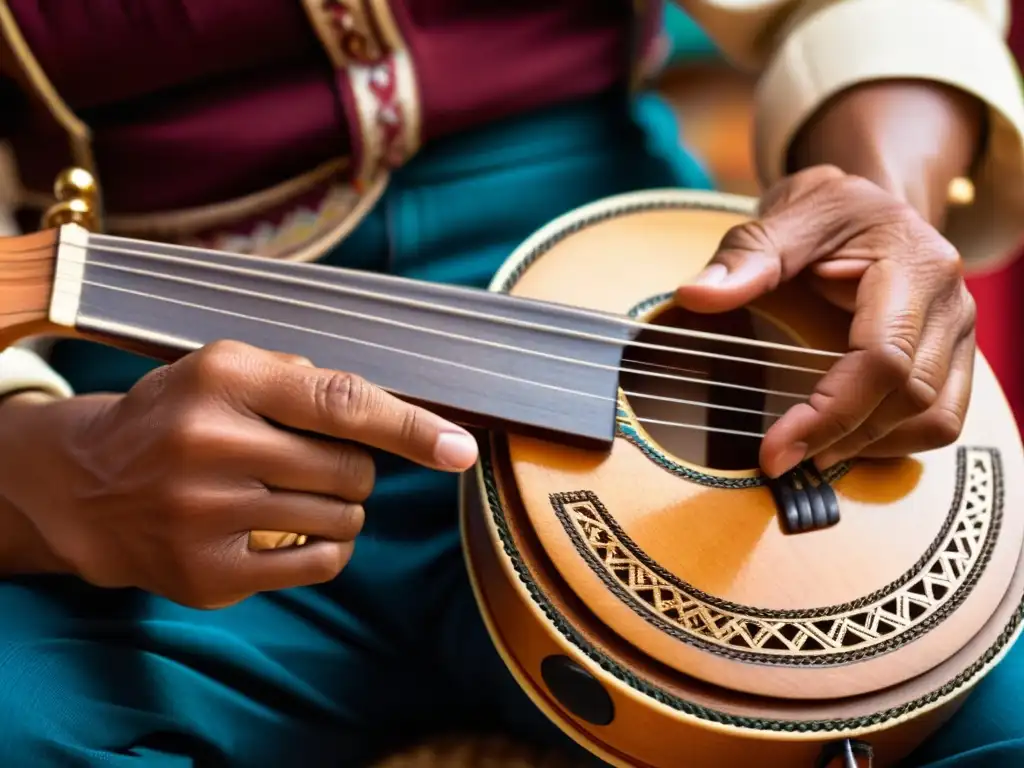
point(393, 650)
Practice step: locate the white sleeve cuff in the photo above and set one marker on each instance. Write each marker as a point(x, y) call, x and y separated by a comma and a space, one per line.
point(941, 41)
point(22, 370)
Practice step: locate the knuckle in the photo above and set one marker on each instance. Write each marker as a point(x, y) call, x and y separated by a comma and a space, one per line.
point(219, 361)
point(749, 236)
point(855, 186)
point(873, 431)
point(290, 359)
point(922, 388)
point(411, 424)
point(968, 309)
point(836, 420)
point(798, 185)
point(938, 263)
point(944, 259)
point(349, 521)
point(755, 236)
point(840, 423)
point(827, 172)
point(227, 347)
point(920, 391)
point(329, 560)
point(340, 392)
point(817, 175)
point(356, 471)
point(942, 427)
point(152, 384)
point(876, 207)
point(193, 431)
point(893, 360)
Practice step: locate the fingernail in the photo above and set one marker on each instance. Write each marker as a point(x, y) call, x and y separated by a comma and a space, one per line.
point(791, 457)
point(455, 450)
point(713, 274)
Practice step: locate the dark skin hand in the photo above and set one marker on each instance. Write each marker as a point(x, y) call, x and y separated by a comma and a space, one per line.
point(858, 224)
point(159, 488)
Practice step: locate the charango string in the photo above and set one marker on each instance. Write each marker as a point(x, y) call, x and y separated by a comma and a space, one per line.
point(418, 328)
point(217, 310)
point(94, 246)
point(98, 244)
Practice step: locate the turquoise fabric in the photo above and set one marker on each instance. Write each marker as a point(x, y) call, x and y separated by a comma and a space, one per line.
point(393, 649)
point(688, 41)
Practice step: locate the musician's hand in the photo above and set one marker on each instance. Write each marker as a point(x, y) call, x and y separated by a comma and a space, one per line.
point(904, 386)
point(159, 488)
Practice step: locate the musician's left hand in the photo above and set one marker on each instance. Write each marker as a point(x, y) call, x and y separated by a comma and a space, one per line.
point(905, 384)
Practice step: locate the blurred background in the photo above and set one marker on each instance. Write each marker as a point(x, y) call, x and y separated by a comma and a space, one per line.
point(714, 105)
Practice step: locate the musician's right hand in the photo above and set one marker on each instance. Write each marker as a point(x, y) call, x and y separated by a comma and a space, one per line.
point(158, 489)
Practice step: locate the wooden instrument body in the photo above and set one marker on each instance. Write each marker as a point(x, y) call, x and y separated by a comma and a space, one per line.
point(702, 633)
point(650, 604)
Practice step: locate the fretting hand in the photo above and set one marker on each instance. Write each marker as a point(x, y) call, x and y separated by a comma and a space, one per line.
point(158, 489)
point(904, 386)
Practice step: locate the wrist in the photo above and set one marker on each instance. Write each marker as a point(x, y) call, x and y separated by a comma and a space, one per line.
point(19, 430)
point(40, 435)
point(23, 549)
point(913, 139)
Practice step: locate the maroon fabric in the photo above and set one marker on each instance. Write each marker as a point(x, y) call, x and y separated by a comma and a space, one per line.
point(197, 101)
point(209, 144)
point(105, 52)
point(480, 61)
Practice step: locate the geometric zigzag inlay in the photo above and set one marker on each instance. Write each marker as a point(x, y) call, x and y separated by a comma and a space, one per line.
point(908, 607)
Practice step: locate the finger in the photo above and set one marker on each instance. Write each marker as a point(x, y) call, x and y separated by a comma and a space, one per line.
point(838, 405)
point(347, 407)
point(317, 562)
point(884, 336)
point(746, 266)
point(941, 424)
point(931, 367)
point(304, 463)
point(808, 218)
point(318, 517)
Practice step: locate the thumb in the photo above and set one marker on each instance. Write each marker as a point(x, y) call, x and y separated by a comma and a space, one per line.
point(745, 266)
point(805, 217)
point(347, 407)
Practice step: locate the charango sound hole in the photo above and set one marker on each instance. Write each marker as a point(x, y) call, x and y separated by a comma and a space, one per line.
point(707, 402)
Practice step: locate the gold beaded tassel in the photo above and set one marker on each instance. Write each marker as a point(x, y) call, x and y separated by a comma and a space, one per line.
point(77, 197)
point(78, 202)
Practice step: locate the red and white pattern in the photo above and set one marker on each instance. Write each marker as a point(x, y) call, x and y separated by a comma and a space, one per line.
point(353, 32)
point(363, 41)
